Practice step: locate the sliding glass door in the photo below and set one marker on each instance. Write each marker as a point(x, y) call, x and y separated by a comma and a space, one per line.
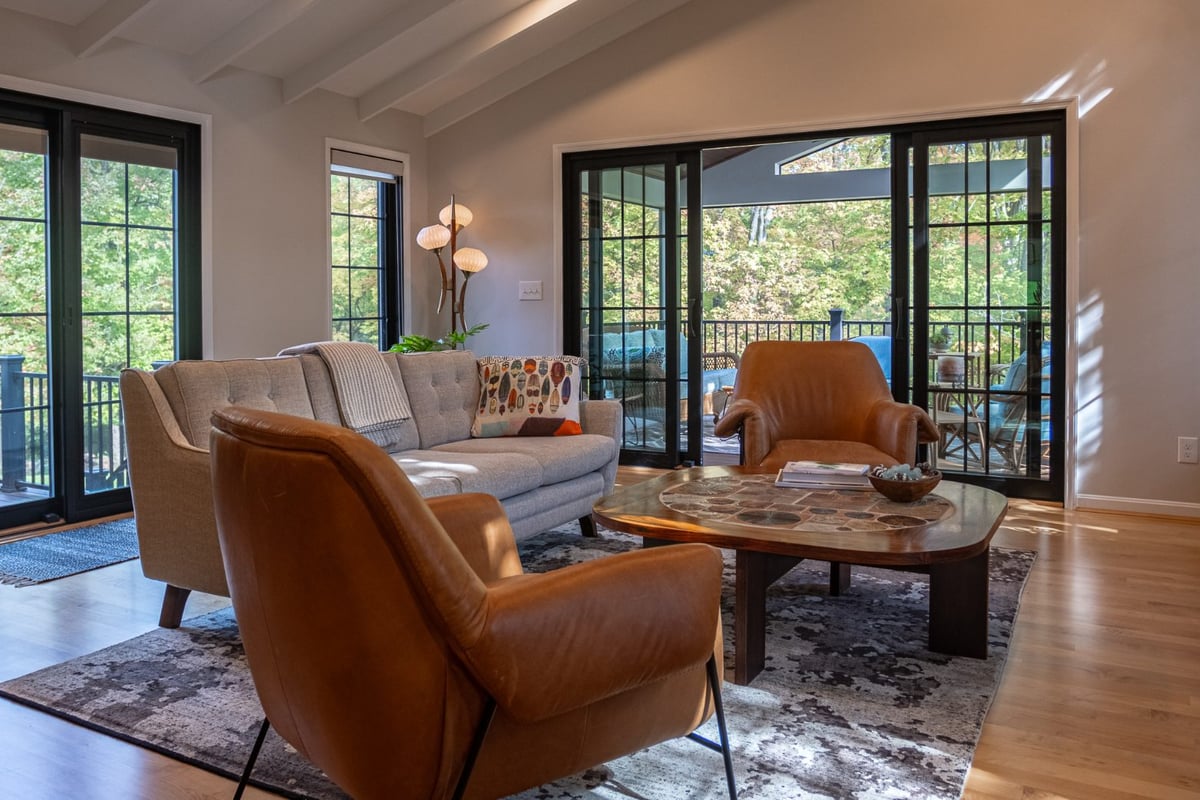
point(939, 245)
point(99, 233)
point(987, 278)
point(633, 308)
point(27, 440)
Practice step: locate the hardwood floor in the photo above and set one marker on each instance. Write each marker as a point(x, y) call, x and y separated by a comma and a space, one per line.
point(1100, 697)
point(42, 756)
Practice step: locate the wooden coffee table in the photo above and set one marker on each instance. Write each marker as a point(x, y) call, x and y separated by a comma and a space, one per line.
point(772, 529)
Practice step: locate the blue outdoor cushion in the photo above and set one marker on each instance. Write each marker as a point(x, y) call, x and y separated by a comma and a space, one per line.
point(881, 346)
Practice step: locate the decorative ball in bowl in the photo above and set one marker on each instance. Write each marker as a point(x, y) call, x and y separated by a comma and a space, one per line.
point(902, 483)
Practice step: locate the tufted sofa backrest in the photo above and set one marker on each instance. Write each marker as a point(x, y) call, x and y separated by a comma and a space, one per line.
point(194, 389)
point(443, 390)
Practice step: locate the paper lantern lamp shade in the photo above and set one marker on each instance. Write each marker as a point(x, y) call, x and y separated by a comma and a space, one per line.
point(470, 259)
point(433, 236)
point(462, 215)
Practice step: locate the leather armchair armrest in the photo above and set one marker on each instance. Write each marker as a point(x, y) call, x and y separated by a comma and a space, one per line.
point(735, 415)
point(479, 528)
point(757, 429)
point(895, 428)
point(561, 640)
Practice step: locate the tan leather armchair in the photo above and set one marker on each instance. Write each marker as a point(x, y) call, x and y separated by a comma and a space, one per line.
point(823, 401)
point(396, 643)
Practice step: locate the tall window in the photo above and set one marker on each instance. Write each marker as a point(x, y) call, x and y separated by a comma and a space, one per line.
point(364, 233)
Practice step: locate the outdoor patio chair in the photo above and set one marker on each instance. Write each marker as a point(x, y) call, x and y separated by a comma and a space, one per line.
point(1008, 411)
point(881, 346)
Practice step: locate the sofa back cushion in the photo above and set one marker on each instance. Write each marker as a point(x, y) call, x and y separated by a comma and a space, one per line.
point(443, 389)
point(195, 389)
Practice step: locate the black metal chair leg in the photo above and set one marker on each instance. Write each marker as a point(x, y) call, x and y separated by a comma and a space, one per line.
point(714, 684)
point(489, 713)
point(714, 681)
point(258, 743)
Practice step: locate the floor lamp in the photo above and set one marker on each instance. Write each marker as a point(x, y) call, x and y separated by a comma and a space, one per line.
point(467, 260)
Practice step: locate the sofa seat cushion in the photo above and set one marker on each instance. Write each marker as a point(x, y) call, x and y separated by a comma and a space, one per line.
point(558, 458)
point(436, 473)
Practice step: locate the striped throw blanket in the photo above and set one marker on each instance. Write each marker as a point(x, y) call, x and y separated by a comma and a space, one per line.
point(369, 398)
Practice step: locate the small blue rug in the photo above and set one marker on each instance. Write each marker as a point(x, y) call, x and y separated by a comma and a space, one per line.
point(57, 555)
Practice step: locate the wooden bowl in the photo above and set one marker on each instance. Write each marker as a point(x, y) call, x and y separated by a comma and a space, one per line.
point(906, 491)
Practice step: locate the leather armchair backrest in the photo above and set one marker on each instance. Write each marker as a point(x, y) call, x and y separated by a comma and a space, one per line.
point(812, 390)
point(350, 597)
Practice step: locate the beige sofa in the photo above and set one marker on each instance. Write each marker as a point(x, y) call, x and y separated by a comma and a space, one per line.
point(541, 481)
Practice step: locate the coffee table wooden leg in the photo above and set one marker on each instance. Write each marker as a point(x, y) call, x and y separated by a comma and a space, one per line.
point(754, 573)
point(958, 607)
point(839, 578)
point(749, 616)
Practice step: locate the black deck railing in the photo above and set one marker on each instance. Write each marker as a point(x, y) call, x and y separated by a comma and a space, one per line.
point(25, 430)
point(985, 345)
point(732, 335)
point(1000, 342)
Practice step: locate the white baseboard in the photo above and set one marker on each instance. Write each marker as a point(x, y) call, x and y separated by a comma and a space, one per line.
point(1135, 505)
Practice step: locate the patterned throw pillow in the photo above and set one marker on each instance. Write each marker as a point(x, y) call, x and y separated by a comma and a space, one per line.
point(532, 396)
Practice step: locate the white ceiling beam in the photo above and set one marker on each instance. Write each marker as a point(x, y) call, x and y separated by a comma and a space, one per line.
point(396, 88)
point(374, 38)
point(222, 52)
point(542, 64)
point(106, 22)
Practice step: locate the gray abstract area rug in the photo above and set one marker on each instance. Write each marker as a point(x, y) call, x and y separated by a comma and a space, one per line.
point(850, 705)
point(56, 555)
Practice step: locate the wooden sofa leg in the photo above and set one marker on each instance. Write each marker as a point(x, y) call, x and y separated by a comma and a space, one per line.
point(174, 599)
point(587, 526)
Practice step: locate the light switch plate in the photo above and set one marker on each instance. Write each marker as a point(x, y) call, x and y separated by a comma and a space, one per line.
point(529, 290)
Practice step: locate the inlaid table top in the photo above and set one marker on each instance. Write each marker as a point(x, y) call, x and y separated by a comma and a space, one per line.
point(740, 507)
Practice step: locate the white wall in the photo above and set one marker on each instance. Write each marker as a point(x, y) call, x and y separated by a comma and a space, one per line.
point(716, 67)
point(268, 283)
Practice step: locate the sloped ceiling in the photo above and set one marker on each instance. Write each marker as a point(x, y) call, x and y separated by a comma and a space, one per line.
point(440, 59)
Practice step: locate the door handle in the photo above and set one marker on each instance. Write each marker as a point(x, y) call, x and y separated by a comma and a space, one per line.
point(899, 320)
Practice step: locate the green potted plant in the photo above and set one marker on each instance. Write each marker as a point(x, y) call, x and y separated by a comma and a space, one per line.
point(939, 340)
point(416, 343)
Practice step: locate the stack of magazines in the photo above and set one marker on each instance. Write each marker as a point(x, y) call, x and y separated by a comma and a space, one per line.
point(824, 474)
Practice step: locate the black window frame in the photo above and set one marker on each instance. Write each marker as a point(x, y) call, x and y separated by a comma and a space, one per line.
point(390, 244)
